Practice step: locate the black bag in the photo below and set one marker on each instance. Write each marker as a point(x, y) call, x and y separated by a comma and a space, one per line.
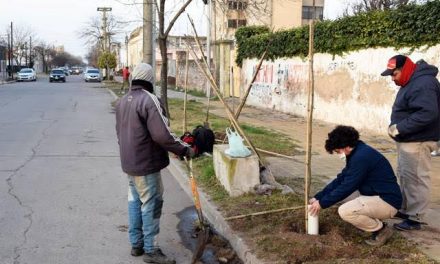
point(204, 139)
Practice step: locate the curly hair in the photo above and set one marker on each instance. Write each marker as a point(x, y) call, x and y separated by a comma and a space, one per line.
point(341, 137)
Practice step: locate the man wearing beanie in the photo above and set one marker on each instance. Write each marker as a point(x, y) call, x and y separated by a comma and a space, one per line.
point(145, 139)
point(415, 126)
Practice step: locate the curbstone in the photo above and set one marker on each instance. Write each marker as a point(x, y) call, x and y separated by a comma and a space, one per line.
point(211, 212)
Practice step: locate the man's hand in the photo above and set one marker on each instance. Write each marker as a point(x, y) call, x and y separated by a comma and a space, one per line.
point(190, 153)
point(314, 207)
point(312, 200)
point(392, 131)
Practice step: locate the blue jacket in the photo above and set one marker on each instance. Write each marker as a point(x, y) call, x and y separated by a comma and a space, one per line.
point(417, 106)
point(367, 171)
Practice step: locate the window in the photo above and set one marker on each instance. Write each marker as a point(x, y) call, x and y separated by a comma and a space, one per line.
point(235, 23)
point(307, 12)
point(232, 23)
point(237, 4)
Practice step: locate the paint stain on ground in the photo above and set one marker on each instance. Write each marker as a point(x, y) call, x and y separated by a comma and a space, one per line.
point(217, 250)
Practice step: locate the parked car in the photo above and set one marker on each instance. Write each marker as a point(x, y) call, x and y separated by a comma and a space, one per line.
point(26, 74)
point(92, 75)
point(57, 75)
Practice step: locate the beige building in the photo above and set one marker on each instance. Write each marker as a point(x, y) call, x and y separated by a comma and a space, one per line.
point(231, 14)
point(176, 52)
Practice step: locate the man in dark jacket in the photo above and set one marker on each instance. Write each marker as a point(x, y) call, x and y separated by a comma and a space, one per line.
point(415, 126)
point(368, 172)
point(144, 139)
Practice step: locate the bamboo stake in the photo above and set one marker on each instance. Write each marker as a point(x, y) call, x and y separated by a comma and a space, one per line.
point(263, 213)
point(186, 92)
point(204, 61)
point(266, 151)
point(243, 100)
point(228, 110)
point(309, 118)
point(257, 70)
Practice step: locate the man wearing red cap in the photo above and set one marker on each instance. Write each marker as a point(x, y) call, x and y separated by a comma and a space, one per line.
point(415, 126)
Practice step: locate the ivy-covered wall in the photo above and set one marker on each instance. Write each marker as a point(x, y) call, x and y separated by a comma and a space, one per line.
point(349, 89)
point(410, 26)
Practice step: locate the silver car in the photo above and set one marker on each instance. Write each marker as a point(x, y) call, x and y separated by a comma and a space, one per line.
point(92, 75)
point(26, 74)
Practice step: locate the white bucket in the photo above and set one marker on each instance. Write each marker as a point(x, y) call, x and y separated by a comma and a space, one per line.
point(312, 223)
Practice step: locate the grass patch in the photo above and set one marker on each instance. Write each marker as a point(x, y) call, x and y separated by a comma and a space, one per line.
point(261, 137)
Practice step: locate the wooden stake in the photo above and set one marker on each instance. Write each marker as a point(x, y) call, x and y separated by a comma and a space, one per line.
point(228, 110)
point(263, 213)
point(308, 171)
point(246, 94)
point(204, 61)
point(186, 92)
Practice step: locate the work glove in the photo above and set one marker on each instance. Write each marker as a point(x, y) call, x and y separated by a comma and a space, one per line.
point(392, 131)
point(190, 153)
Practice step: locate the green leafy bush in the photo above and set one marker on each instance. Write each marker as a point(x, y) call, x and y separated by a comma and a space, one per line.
point(409, 26)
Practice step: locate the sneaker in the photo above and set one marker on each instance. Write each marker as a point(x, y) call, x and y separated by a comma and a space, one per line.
point(407, 225)
point(380, 237)
point(136, 252)
point(158, 257)
point(435, 153)
point(400, 215)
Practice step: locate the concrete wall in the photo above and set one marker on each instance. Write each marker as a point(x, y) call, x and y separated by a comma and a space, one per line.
point(348, 89)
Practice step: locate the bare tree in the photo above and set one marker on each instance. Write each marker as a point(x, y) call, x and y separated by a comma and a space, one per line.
point(22, 35)
point(370, 5)
point(45, 52)
point(164, 32)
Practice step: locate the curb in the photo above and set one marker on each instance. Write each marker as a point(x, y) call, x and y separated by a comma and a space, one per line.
point(112, 93)
point(211, 212)
point(6, 82)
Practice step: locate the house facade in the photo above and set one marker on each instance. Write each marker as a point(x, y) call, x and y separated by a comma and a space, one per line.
point(228, 15)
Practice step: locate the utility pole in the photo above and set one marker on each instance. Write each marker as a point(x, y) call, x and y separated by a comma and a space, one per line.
point(12, 51)
point(147, 46)
point(31, 65)
point(106, 34)
point(9, 54)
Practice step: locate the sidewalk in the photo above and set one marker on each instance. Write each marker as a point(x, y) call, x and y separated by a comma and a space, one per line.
point(324, 166)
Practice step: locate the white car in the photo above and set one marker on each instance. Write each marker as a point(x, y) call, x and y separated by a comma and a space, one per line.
point(92, 75)
point(26, 74)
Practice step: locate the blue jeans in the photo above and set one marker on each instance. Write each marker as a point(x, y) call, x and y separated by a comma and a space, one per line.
point(144, 210)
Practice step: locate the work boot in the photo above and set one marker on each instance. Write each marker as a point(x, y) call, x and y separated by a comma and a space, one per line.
point(407, 225)
point(158, 257)
point(380, 237)
point(137, 251)
point(401, 215)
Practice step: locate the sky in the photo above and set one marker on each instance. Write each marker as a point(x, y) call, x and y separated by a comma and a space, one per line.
point(58, 22)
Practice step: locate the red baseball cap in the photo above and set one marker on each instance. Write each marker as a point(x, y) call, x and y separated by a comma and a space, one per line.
point(394, 62)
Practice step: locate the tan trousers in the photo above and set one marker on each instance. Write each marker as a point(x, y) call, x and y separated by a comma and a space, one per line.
point(366, 212)
point(413, 167)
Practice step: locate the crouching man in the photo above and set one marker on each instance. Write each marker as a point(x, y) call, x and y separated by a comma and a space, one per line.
point(368, 172)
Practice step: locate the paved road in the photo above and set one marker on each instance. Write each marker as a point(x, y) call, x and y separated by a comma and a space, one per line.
point(62, 192)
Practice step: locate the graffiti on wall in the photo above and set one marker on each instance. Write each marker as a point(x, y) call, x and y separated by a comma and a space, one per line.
point(262, 93)
point(341, 64)
point(278, 80)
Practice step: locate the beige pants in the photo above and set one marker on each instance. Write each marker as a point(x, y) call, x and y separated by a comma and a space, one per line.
point(413, 167)
point(366, 212)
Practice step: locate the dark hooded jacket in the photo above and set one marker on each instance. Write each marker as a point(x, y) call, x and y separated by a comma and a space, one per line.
point(143, 132)
point(417, 106)
point(367, 171)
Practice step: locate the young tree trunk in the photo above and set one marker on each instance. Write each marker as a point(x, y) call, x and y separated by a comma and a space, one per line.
point(164, 74)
